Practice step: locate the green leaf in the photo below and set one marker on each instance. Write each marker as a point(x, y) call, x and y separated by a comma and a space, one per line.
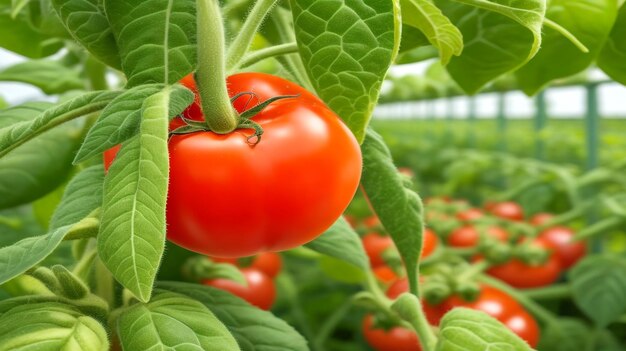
point(19, 36)
point(23, 255)
point(19, 257)
point(613, 55)
point(155, 39)
point(399, 208)
point(566, 334)
point(88, 24)
point(16, 134)
point(17, 6)
point(499, 36)
point(82, 195)
point(171, 322)
point(254, 329)
point(347, 48)
point(342, 242)
point(44, 207)
point(588, 20)
point(120, 120)
point(132, 234)
point(599, 288)
point(50, 76)
point(38, 166)
point(463, 329)
point(50, 326)
point(441, 33)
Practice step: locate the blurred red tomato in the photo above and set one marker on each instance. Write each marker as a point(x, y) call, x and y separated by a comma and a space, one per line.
point(468, 236)
point(394, 339)
point(508, 210)
point(541, 218)
point(561, 240)
point(259, 292)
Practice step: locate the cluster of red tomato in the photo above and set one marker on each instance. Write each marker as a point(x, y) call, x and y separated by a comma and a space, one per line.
point(528, 257)
point(259, 272)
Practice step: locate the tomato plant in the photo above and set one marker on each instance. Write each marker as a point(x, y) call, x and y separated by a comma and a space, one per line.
point(246, 201)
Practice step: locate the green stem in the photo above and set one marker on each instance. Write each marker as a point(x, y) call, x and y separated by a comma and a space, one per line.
point(566, 217)
point(567, 34)
point(68, 116)
point(554, 292)
point(536, 309)
point(474, 270)
point(330, 324)
point(83, 266)
point(218, 112)
point(105, 285)
point(272, 51)
point(231, 6)
point(409, 307)
point(242, 42)
point(599, 228)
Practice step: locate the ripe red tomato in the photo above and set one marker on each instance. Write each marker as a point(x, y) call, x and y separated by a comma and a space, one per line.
point(394, 339)
point(372, 222)
point(375, 244)
point(541, 218)
point(470, 214)
point(492, 301)
point(230, 199)
point(259, 292)
point(561, 240)
point(430, 243)
point(269, 263)
point(468, 236)
point(385, 274)
point(521, 275)
point(507, 210)
point(525, 326)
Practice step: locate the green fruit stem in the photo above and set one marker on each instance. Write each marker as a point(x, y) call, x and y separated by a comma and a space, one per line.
point(218, 112)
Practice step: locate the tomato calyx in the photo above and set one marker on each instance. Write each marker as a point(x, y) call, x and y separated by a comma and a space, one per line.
point(245, 118)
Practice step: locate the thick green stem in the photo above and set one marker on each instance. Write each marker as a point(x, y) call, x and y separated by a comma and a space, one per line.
point(218, 112)
point(553, 292)
point(272, 51)
point(242, 42)
point(533, 307)
point(409, 307)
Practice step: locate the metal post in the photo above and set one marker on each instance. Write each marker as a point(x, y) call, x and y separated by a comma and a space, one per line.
point(541, 119)
point(502, 122)
point(592, 123)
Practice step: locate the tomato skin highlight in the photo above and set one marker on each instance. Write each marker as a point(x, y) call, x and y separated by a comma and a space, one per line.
point(525, 326)
point(259, 292)
point(561, 240)
point(507, 210)
point(228, 198)
point(394, 339)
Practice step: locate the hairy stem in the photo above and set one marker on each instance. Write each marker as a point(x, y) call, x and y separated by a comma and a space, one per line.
point(243, 40)
point(218, 112)
point(272, 51)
